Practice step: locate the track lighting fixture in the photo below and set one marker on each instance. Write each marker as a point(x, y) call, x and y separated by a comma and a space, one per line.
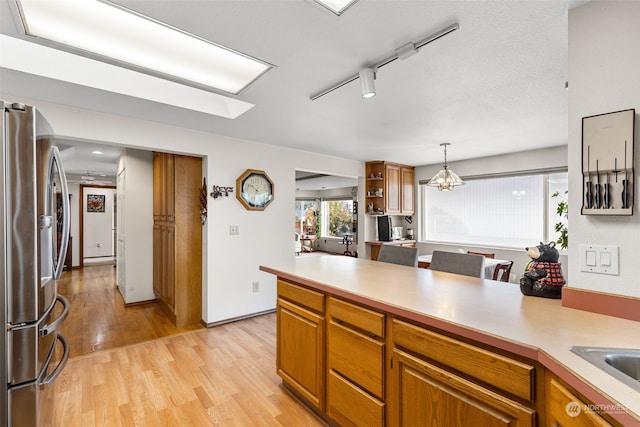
point(403, 52)
point(367, 76)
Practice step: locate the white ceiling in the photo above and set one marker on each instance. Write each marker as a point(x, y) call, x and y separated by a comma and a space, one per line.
point(496, 85)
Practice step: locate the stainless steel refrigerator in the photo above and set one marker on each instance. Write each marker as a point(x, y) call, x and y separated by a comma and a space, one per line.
point(34, 212)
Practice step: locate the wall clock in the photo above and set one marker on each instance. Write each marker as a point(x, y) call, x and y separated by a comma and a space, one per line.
point(254, 189)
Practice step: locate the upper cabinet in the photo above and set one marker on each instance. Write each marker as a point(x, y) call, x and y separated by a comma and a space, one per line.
point(390, 188)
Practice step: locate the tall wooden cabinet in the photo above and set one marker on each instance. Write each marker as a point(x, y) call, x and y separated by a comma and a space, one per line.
point(177, 237)
point(390, 188)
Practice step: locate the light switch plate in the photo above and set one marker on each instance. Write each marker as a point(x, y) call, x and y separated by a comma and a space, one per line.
point(601, 259)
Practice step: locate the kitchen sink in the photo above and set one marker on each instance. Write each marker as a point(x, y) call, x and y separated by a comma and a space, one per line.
point(622, 363)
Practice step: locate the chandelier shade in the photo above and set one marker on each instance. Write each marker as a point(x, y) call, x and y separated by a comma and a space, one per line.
point(445, 179)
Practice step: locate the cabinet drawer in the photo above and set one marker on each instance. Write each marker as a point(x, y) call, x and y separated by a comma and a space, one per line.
point(493, 369)
point(362, 318)
point(302, 296)
point(432, 396)
point(356, 357)
point(565, 409)
point(350, 406)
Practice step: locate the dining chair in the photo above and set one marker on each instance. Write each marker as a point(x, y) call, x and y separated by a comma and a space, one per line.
point(399, 255)
point(453, 262)
point(484, 254)
point(502, 271)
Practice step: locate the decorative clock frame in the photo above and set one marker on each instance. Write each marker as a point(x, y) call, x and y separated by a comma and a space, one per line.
point(263, 180)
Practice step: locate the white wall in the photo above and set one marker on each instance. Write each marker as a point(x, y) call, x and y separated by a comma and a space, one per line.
point(98, 226)
point(230, 262)
point(136, 218)
point(604, 76)
point(548, 158)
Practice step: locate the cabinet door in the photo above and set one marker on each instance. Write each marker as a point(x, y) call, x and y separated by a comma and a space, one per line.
point(407, 188)
point(300, 351)
point(565, 409)
point(169, 262)
point(392, 188)
point(426, 395)
point(158, 250)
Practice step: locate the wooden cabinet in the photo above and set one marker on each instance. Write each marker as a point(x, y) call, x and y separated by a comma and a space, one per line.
point(300, 338)
point(177, 237)
point(427, 395)
point(565, 408)
point(390, 188)
point(407, 186)
point(375, 246)
point(355, 364)
point(439, 380)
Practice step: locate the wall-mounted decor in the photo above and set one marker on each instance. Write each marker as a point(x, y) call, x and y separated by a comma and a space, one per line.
point(607, 163)
point(254, 190)
point(95, 202)
point(203, 201)
point(221, 191)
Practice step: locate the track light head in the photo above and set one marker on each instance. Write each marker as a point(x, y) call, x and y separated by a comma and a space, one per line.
point(367, 77)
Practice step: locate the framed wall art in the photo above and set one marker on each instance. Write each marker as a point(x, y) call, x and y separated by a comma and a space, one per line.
point(95, 202)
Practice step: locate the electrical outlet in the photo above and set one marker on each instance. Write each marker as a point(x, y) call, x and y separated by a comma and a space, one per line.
point(256, 287)
point(234, 230)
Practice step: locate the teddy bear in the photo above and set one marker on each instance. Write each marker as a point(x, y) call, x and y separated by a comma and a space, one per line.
point(543, 275)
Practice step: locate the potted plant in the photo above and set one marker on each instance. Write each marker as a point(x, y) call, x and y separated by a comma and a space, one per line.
point(562, 226)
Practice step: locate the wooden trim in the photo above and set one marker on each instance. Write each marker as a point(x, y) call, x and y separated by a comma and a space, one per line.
point(81, 204)
point(598, 302)
point(133, 304)
point(236, 319)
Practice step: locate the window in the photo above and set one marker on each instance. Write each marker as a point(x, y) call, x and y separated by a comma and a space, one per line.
point(337, 218)
point(307, 217)
point(513, 212)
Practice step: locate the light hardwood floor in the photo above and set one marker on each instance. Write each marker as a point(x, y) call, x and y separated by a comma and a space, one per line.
point(223, 376)
point(98, 319)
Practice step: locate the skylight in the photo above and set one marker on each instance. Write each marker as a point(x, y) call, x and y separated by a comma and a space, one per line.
point(336, 6)
point(140, 43)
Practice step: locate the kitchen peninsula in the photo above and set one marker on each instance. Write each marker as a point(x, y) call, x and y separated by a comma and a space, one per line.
point(373, 343)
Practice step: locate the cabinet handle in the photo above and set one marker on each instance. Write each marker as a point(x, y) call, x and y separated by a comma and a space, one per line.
point(372, 335)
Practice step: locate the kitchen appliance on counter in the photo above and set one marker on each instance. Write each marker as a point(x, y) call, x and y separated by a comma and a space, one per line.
point(410, 233)
point(397, 233)
point(34, 208)
point(384, 228)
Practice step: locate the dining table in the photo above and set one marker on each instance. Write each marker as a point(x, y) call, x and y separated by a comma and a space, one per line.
point(424, 261)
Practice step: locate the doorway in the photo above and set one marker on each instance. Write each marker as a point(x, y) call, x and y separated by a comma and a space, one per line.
point(97, 225)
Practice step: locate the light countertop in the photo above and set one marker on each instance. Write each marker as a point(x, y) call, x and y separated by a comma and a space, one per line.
point(495, 313)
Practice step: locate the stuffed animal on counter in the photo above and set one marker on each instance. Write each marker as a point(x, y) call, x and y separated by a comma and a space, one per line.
point(543, 275)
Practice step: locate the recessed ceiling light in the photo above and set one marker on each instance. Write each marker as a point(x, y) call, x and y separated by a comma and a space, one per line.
point(337, 6)
point(26, 57)
point(121, 36)
point(97, 152)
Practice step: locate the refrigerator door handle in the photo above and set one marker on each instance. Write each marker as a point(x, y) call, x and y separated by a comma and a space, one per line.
point(46, 381)
point(66, 215)
point(54, 325)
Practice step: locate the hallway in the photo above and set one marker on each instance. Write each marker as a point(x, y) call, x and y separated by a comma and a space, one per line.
point(98, 319)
